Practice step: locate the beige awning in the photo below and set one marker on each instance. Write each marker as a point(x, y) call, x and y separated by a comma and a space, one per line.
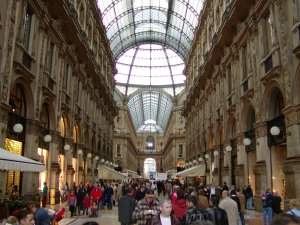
point(12, 161)
point(107, 173)
point(194, 171)
point(133, 174)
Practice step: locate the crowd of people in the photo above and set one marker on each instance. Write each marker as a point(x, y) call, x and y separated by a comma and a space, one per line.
point(175, 204)
point(143, 202)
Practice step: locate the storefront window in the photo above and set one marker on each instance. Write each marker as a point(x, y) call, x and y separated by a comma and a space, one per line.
point(74, 165)
point(61, 161)
point(62, 127)
point(43, 154)
point(13, 177)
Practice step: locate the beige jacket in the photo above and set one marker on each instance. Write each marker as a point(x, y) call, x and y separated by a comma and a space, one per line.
point(232, 211)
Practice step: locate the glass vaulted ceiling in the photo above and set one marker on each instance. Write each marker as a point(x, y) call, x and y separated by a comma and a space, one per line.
point(150, 40)
point(169, 22)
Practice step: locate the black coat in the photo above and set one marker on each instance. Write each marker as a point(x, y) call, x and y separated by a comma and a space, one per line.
point(126, 207)
point(276, 200)
point(80, 194)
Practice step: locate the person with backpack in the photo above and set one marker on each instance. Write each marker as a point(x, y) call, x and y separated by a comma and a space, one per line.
point(194, 214)
point(267, 206)
point(218, 215)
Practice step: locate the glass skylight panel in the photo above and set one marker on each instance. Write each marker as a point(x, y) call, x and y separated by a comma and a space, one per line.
point(179, 79)
point(131, 90)
point(169, 91)
point(121, 78)
point(122, 89)
point(178, 90)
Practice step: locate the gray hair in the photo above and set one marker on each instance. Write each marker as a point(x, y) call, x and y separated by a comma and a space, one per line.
point(163, 201)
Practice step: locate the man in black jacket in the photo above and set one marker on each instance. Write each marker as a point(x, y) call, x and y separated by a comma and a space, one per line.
point(126, 207)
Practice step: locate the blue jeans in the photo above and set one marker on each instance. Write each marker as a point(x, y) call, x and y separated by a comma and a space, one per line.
point(267, 214)
point(250, 203)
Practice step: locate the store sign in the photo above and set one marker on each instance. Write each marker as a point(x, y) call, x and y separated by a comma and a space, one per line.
point(161, 176)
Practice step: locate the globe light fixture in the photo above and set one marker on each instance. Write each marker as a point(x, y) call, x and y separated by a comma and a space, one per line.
point(102, 160)
point(194, 161)
point(96, 158)
point(47, 138)
point(89, 155)
point(275, 130)
point(228, 148)
point(79, 152)
point(18, 128)
point(67, 147)
point(247, 141)
point(206, 156)
point(216, 153)
point(200, 159)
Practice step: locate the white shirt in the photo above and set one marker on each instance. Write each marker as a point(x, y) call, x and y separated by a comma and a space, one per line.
point(165, 220)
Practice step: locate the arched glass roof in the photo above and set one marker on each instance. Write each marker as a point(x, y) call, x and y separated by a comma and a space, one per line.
point(150, 65)
point(150, 40)
point(150, 110)
point(169, 22)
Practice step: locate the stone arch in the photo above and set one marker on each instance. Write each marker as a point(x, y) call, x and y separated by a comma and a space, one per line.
point(51, 112)
point(150, 165)
point(248, 116)
point(28, 96)
point(76, 133)
point(269, 104)
point(64, 125)
point(231, 128)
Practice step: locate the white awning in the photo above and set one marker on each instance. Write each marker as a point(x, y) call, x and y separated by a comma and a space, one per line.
point(12, 161)
point(133, 174)
point(107, 173)
point(194, 171)
point(171, 172)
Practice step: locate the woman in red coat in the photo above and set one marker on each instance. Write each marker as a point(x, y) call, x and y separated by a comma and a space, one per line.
point(179, 206)
point(97, 194)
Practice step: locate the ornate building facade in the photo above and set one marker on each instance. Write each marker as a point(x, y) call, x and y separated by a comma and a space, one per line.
point(242, 106)
point(56, 80)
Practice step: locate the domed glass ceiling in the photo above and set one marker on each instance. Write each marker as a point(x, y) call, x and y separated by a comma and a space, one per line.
point(169, 22)
point(150, 110)
point(150, 39)
point(150, 65)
